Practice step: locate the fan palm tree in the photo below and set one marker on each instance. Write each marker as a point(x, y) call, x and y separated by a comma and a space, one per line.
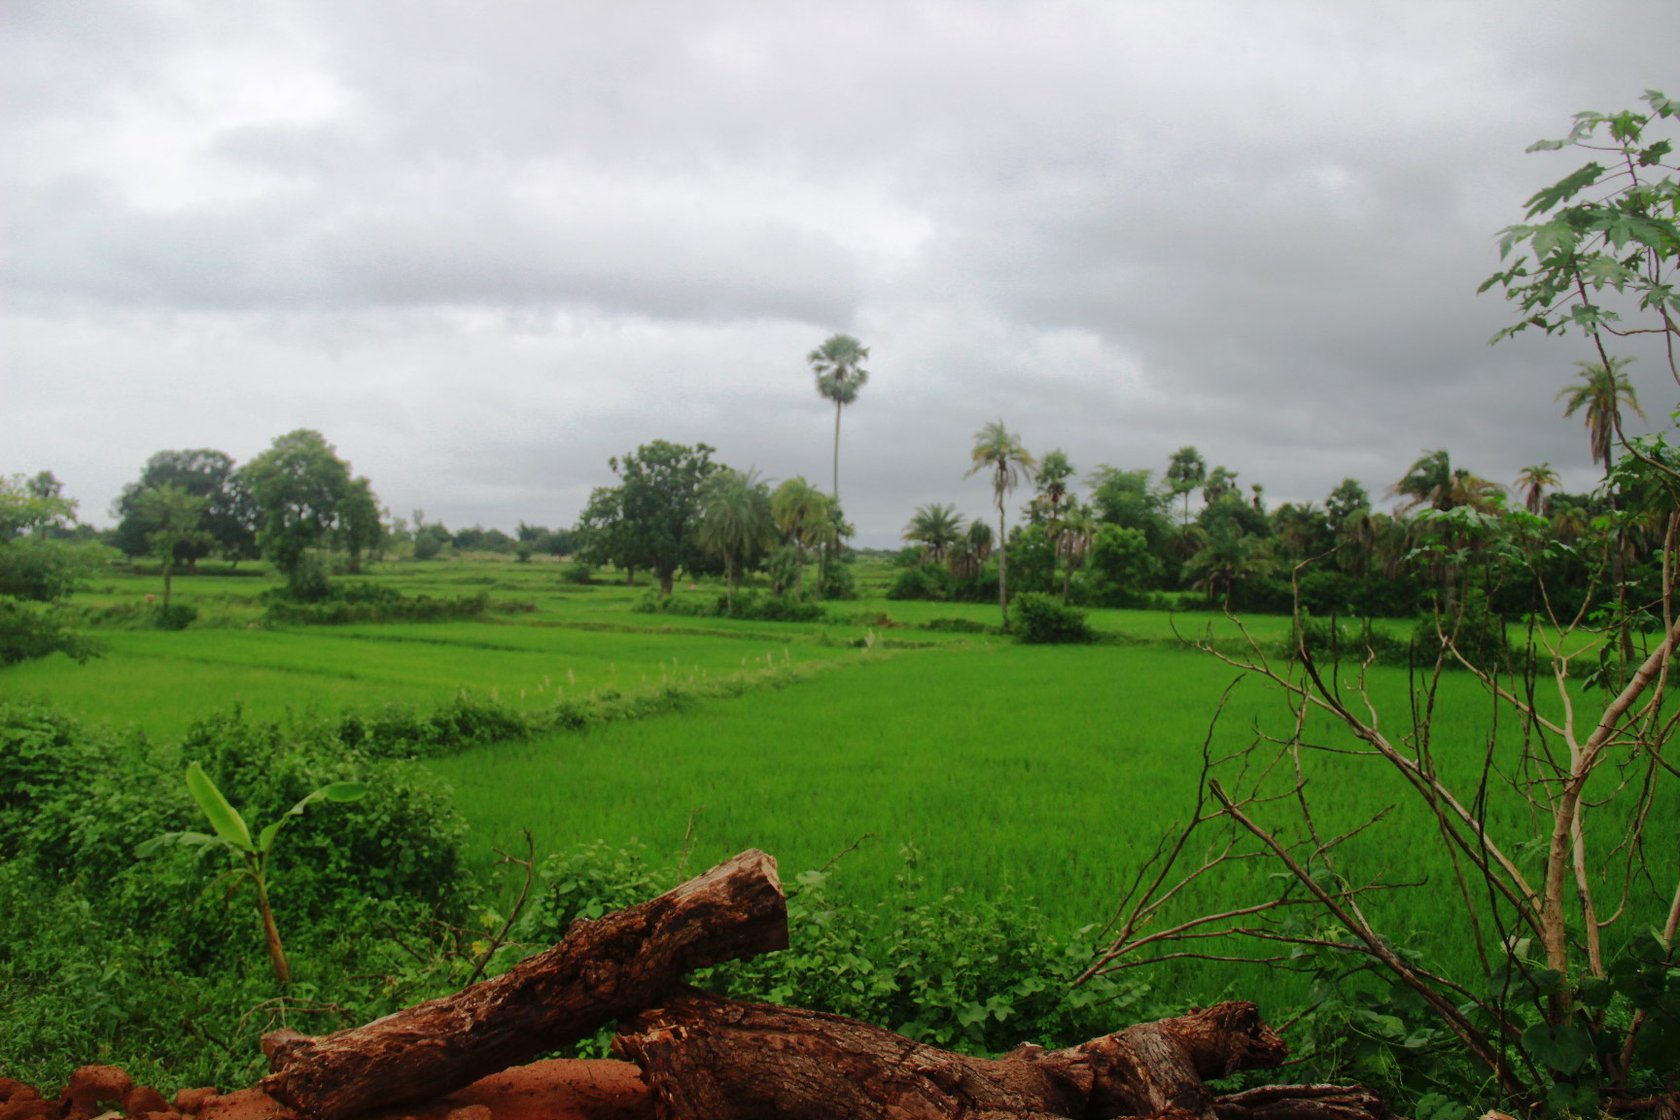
point(1534, 481)
point(735, 521)
point(1602, 392)
point(838, 365)
point(1000, 453)
point(936, 528)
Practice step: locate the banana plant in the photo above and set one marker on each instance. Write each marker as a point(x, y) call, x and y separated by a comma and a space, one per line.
point(229, 831)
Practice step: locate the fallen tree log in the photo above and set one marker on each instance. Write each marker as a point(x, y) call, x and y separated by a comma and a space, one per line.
point(708, 1058)
point(601, 971)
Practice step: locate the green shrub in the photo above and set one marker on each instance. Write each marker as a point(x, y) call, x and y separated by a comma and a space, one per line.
point(957, 626)
point(1328, 640)
point(361, 602)
point(926, 583)
point(579, 572)
point(1045, 620)
point(175, 616)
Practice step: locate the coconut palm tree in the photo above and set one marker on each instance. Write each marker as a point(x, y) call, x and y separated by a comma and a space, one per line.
point(1603, 389)
point(936, 528)
point(838, 365)
point(1000, 453)
point(735, 521)
point(1602, 392)
point(1533, 482)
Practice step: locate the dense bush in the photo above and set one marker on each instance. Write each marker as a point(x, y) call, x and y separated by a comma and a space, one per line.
point(399, 731)
point(1045, 620)
point(746, 604)
point(353, 602)
point(1329, 640)
point(143, 961)
point(932, 583)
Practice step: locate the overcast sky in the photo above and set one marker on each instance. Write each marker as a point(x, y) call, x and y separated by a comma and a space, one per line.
point(484, 246)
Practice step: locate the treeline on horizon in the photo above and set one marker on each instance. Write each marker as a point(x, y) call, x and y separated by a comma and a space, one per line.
point(1127, 539)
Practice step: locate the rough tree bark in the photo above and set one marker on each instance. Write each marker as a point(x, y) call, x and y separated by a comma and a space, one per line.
point(600, 971)
point(707, 1057)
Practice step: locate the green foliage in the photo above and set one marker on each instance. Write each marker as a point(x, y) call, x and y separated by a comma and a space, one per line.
point(228, 515)
point(1600, 243)
point(305, 498)
point(173, 616)
point(398, 731)
point(651, 518)
point(135, 961)
point(977, 977)
point(747, 605)
point(1045, 620)
point(930, 583)
point(351, 602)
point(36, 570)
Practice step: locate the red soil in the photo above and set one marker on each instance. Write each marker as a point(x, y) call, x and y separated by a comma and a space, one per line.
point(553, 1090)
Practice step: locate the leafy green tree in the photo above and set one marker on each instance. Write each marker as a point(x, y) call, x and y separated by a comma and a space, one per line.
point(735, 521)
point(1185, 472)
point(603, 537)
point(1348, 498)
point(298, 486)
point(838, 366)
point(36, 572)
point(361, 527)
point(1120, 565)
point(229, 517)
point(657, 513)
point(1131, 500)
point(936, 527)
point(176, 516)
point(1000, 454)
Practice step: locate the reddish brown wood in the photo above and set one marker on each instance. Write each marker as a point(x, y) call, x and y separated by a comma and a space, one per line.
point(599, 972)
point(707, 1057)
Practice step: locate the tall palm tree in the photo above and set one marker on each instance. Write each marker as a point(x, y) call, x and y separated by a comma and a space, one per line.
point(1533, 482)
point(735, 521)
point(1000, 453)
point(1186, 471)
point(1603, 389)
point(838, 365)
point(936, 528)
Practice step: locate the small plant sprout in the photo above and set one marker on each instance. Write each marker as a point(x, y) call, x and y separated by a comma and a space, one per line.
point(251, 856)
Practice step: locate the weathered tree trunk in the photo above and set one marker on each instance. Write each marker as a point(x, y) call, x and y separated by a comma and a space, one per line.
point(707, 1057)
point(599, 972)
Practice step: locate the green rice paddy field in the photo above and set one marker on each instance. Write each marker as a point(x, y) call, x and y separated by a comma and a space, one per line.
point(1048, 772)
